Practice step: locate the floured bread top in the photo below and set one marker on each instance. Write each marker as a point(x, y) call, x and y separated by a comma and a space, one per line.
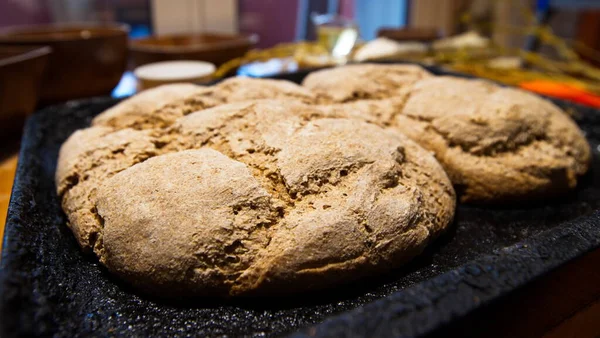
point(257, 186)
point(363, 81)
point(497, 144)
point(86, 159)
point(162, 107)
point(258, 197)
point(128, 112)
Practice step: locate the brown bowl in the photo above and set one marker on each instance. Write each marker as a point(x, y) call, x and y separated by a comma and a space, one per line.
point(86, 59)
point(209, 47)
point(21, 71)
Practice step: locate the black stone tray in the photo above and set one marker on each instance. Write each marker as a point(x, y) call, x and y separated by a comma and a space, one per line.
point(48, 287)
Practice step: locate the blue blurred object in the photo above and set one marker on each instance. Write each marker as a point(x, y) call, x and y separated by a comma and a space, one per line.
point(128, 84)
point(542, 5)
point(371, 15)
point(544, 10)
point(126, 87)
point(139, 31)
point(542, 15)
point(268, 68)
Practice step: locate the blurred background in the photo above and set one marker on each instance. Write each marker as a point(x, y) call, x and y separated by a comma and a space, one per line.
point(52, 51)
point(284, 21)
point(519, 35)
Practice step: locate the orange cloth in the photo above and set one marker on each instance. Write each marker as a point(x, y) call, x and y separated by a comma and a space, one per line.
point(7, 175)
point(562, 91)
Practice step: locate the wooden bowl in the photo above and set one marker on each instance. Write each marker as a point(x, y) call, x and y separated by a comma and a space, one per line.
point(21, 71)
point(86, 60)
point(210, 47)
point(409, 34)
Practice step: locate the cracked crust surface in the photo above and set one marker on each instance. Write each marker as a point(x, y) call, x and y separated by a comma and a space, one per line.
point(162, 106)
point(86, 159)
point(214, 194)
point(131, 111)
point(258, 198)
point(380, 112)
point(497, 144)
point(363, 81)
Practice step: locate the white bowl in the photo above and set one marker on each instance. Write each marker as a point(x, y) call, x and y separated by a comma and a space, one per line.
point(159, 73)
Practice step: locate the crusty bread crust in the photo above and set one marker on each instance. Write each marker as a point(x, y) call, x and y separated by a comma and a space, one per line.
point(258, 197)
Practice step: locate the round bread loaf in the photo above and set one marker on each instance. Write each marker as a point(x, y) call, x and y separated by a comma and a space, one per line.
point(261, 197)
point(497, 144)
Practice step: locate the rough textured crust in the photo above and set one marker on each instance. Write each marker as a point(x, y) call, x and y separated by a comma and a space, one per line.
point(86, 159)
point(497, 144)
point(162, 106)
point(128, 112)
point(381, 112)
point(238, 206)
point(363, 82)
point(256, 196)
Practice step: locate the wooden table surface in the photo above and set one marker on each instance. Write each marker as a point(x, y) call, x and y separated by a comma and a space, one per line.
point(8, 166)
